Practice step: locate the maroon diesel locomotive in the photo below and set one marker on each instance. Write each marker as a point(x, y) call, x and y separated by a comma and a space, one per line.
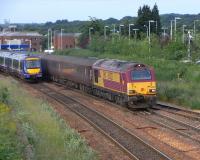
point(125, 83)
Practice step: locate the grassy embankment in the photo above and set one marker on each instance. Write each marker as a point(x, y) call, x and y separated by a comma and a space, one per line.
point(10, 147)
point(177, 82)
point(47, 133)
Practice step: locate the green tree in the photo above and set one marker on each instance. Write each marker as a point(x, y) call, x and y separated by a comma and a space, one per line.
point(97, 26)
point(156, 17)
point(145, 14)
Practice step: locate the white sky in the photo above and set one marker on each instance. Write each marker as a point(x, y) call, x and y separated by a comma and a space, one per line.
point(28, 11)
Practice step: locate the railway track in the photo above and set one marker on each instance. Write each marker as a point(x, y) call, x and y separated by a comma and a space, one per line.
point(176, 120)
point(185, 118)
point(135, 147)
point(178, 111)
point(189, 122)
point(174, 125)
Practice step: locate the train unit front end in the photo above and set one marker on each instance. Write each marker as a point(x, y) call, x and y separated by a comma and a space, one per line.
point(32, 68)
point(22, 65)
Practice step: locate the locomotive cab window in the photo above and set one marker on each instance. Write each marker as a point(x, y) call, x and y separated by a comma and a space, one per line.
point(141, 75)
point(96, 74)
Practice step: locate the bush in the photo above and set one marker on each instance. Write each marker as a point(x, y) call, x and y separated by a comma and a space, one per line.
point(4, 95)
point(175, 51)
point(172, 93)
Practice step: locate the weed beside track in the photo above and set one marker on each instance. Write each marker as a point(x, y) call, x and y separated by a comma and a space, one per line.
point(48, 135)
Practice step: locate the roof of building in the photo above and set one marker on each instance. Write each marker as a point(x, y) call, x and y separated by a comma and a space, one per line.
point(70, 34)
point(21, 34)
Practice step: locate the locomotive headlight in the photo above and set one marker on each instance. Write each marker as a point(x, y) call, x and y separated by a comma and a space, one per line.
point(131, 91)
point(152, 90)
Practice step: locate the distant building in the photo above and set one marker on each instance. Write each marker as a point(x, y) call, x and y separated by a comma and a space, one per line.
point(21, 40)
point(67, 40)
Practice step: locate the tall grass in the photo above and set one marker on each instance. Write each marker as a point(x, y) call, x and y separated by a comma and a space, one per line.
point(4, 95)
point(10, 146)
point(48, 134)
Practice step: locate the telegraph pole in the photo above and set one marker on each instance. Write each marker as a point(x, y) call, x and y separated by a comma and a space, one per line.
point(171, 30)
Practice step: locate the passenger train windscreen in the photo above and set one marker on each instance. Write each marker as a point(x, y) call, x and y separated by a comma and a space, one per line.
point(33, 64)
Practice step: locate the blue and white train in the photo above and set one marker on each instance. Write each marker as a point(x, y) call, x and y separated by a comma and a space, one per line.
point(21, 65)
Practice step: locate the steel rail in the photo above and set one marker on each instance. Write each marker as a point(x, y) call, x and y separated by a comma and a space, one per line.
point(179, 131)
point(176, 121)
point(134, 146)
point(177, 108)
point(192, 117)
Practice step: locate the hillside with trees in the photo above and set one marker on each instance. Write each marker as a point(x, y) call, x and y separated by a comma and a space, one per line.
point(75, 26)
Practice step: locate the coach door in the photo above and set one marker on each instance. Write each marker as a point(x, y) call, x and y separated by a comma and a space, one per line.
point(96, 74)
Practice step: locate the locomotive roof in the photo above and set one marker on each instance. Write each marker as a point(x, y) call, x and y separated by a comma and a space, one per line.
point(83, 61)
point(116, 65)
point(14, 55)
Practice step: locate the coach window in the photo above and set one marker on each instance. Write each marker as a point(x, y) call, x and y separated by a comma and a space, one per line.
point(21, 65)
point(9, 62)
point(15, 64)
point(1, 60)
point(96, 73)
point(6, 61)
